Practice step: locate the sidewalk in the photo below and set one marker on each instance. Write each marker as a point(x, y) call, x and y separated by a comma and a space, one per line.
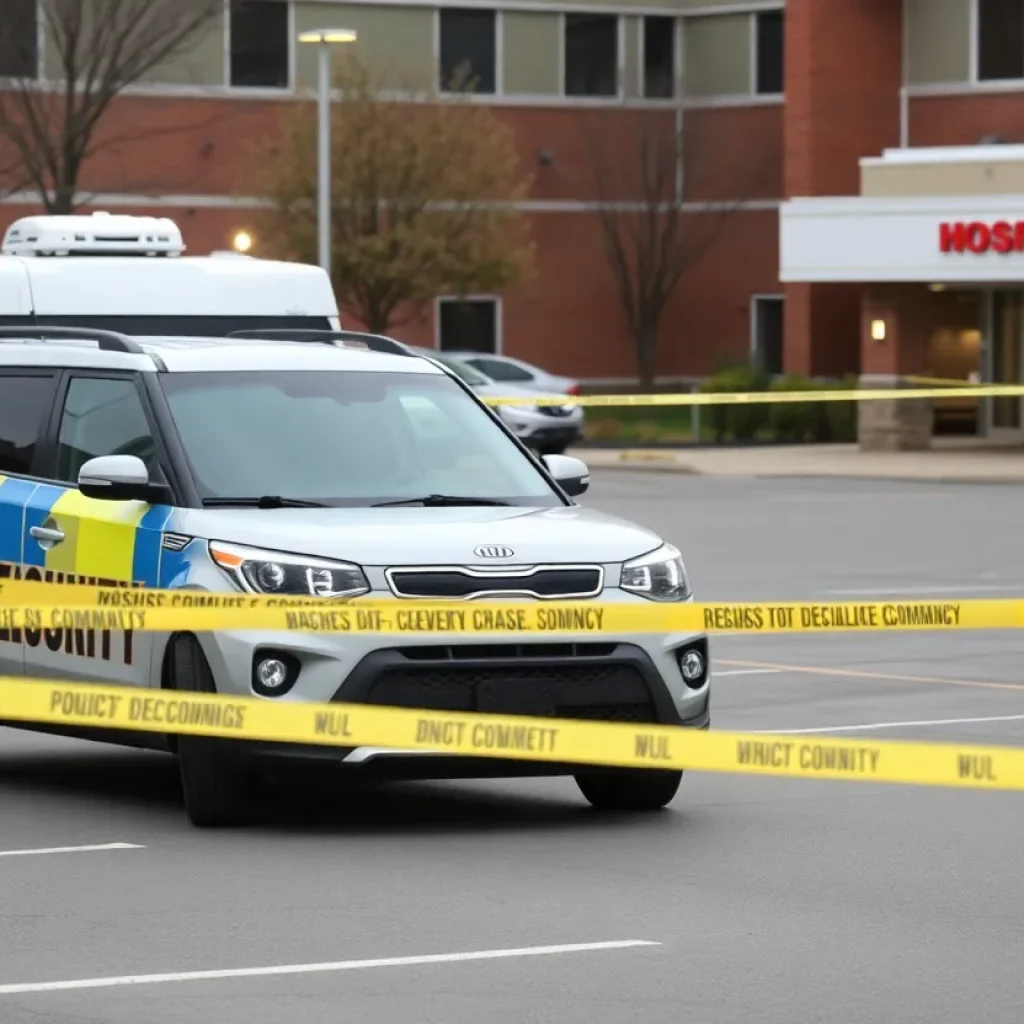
point(951, 460)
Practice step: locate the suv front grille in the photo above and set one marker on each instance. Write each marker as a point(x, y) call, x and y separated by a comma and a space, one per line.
point(553, 680)
point(457, 582)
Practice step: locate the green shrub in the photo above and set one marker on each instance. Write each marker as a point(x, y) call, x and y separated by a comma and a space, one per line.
point(821, 422)
point(797, 422)
point(842, 416)
point(737, 422)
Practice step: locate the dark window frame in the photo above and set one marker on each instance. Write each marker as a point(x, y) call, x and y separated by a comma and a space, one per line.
point(25, 62)
point(245, 80)
point(588, 90)
point(766, 77)
point(489, 84)
point(40, 448)
point(645, 64)
point(458, 345)
point(997, 43)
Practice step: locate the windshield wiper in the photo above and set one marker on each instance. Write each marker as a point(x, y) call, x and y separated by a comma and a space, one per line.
point(264, 501)
point(440, 500)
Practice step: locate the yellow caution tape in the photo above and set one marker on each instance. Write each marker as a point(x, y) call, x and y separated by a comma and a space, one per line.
point(766, 397)
point(74, 705)
point(948, 382)
point(29, 605)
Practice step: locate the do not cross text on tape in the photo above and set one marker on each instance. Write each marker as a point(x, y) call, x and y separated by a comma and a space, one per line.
point(561, 741)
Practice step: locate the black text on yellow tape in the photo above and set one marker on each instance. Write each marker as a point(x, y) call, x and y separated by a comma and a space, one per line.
point(510, 737)
point(33, 606)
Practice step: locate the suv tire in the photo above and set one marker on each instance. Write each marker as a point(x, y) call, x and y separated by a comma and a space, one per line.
point(643, 789)
point(216, 785)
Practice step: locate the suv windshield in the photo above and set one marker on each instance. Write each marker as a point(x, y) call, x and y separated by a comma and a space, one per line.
point(343, 438)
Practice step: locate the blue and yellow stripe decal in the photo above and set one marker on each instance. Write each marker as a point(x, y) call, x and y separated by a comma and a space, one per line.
point(112, 540)
point(14, 496)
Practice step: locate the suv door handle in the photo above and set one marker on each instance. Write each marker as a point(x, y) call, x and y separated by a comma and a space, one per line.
point(47, 536)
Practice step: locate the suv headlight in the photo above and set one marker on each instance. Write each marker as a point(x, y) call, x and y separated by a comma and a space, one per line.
point(274, 572)
point(659, 575)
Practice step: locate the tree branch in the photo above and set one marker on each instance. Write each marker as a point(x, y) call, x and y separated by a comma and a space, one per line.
point(101, 47)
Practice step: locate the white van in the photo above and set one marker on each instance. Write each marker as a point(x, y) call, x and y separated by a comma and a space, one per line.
point(128, 274)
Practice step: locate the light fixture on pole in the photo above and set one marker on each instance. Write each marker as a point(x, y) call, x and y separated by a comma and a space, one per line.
point(325, 38)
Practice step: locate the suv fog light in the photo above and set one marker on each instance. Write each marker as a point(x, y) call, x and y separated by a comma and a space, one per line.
point(691, 664)
point(273, 673)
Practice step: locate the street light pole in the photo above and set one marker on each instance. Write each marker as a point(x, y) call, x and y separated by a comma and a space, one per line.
point(323, 189)
point(324, 38)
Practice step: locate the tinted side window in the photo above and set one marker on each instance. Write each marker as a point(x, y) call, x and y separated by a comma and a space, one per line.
point(102, 417)
point(497, 370)
point(25, 403)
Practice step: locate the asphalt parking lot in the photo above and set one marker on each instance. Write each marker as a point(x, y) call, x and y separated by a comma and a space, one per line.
point(778, 900)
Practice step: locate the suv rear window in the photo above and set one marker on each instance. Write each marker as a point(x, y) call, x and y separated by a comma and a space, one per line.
point(25, 402)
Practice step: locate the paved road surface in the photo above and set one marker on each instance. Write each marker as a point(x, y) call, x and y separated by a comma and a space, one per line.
point(773, 900)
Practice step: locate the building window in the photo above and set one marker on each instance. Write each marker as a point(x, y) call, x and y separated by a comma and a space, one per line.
point(468, 44)
point(260, 44)
point(1000, 39)
point(766, 332)
point(591, 55)
point(19, 40)
point(659, 57)
point(768, 54)
point(468, 325)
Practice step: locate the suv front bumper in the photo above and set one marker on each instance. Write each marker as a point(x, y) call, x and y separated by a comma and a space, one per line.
point(593, 679)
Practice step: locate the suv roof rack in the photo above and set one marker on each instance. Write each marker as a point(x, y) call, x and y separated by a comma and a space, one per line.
point(374, 342)
point(107, 341)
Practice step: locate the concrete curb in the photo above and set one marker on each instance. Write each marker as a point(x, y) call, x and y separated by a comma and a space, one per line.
point(651, 459)
point(654, 461)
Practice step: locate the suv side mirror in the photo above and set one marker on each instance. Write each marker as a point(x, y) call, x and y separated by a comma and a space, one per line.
point(120, 478)
point(571, 474)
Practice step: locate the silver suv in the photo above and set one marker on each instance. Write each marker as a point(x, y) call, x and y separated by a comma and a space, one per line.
point(331, 466)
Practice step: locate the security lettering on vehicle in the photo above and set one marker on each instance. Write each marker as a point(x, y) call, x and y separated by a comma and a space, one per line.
point(79, 642)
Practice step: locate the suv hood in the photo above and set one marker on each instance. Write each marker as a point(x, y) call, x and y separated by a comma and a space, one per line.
point(429, 536)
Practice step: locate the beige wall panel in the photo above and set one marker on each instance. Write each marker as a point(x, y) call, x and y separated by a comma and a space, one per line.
point(960, 179)
point(531, 47)
point(938, 41)
point(717, 55)
point(395, 43)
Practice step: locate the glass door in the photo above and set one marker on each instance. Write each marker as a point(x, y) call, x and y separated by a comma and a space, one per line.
point(1006, 338)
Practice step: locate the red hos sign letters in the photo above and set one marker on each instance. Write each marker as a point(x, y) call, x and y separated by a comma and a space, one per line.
point(1002, 236)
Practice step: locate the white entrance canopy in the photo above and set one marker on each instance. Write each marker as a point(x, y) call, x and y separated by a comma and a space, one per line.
point(924, 237)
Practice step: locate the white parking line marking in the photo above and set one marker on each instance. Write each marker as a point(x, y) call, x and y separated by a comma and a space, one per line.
point(71, 849)
point(892, 725)
point(747, 672)
point(884, 677)
point(338, 965)
point(925, 591)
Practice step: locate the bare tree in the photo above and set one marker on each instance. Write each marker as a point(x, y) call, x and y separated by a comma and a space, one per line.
point(650, 239)
point(93, 50)
point(424, 191)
